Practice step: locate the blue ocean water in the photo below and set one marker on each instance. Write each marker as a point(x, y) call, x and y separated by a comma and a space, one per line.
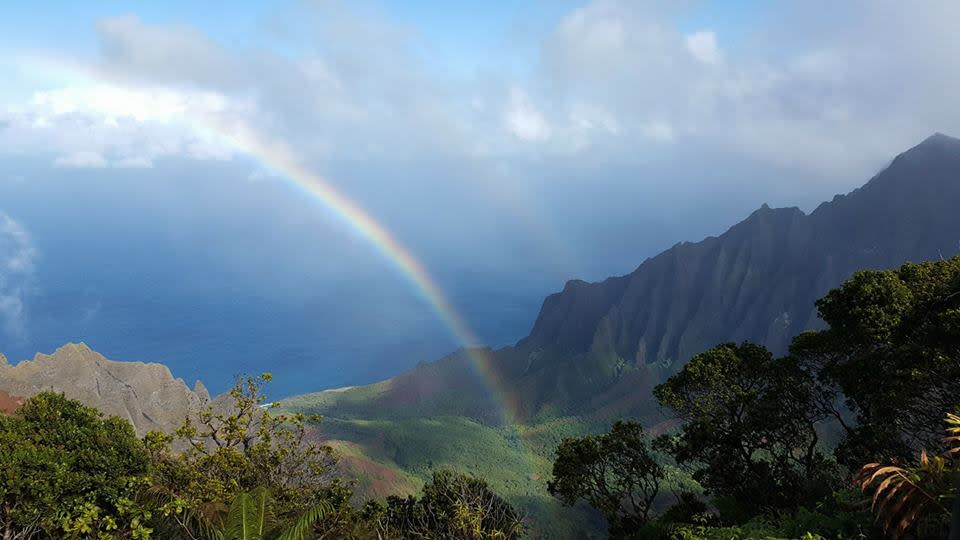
point(216, 277)
point(196, 265)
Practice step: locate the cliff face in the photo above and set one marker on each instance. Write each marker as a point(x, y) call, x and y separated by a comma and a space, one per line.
point(760, 279)
point(145, 394)
point(601, 347)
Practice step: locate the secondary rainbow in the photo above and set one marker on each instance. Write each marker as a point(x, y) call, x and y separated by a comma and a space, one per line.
point(280, 159)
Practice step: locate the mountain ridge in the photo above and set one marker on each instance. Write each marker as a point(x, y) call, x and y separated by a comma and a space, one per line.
point(146, 394)
point(595, 344)
point(926, 175)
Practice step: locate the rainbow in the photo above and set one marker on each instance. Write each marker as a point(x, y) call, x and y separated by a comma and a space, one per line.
point(281, 160)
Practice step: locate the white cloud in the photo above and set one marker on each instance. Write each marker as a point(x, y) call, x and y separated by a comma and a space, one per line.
point(94, 124)
point(615, 77)
point(524, 120)
point(17, 258)
point(658, 131)
point(598, 29)
point(115, 103)
point(703, 47)
point(162, 53)
point(133, 162)
point(824, 98)
point(83, 159)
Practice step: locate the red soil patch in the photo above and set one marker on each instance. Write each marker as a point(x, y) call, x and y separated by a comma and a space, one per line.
point(374, 479)
point(8, 403)
point(379, 480)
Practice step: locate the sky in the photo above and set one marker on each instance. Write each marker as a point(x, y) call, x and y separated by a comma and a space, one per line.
point(147, 205)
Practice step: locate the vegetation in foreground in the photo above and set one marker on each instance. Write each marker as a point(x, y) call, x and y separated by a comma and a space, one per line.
point(240, 473)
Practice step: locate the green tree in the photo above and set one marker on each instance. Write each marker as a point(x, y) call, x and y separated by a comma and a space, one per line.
point(452, 506)
point(237, 446)
point(616, 473)
point(891, 356)
point(749, 428)
point(67, 472)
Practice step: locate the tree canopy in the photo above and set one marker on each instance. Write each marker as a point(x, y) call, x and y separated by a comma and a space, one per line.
point(235, 447)
point(767, 438)
point(749, 428)
point(616, 473)
point(890, 355)
point(67, 472)
point(452, 506)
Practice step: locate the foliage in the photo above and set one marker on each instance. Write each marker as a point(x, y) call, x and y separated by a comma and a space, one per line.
point(916, 497)
point(892, 355)
point(236, 447)
point(67, 472)
point(830, 521)
point(395, 450)
point(616, 473)
point(749, 429)
point(689, 508)
point(241, 473)
point(254, 515)
point(452, 506)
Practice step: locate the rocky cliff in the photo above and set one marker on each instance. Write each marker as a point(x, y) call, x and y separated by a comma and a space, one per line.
point(145, 394)
point(759, 280)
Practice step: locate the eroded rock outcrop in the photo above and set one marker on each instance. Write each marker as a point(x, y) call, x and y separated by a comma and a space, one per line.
point(147, 395)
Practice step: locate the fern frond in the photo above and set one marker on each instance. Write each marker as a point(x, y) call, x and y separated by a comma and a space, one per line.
point(869, 473)
point(898, 501)
point(250, 516)
point(306, 521)
point(237, 525)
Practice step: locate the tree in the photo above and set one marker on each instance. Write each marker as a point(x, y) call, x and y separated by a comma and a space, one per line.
point(749, 428)
point(452, 506)
point(238, 446)
point(616, 473)
point(891, 355)
point(66, 472)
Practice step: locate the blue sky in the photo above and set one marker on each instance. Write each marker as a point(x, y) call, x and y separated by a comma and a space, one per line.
point(458, 36)
point(508, 145)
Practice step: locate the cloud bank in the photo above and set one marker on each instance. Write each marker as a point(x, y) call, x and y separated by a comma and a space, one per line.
point(620, 100)
point(614, 79)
